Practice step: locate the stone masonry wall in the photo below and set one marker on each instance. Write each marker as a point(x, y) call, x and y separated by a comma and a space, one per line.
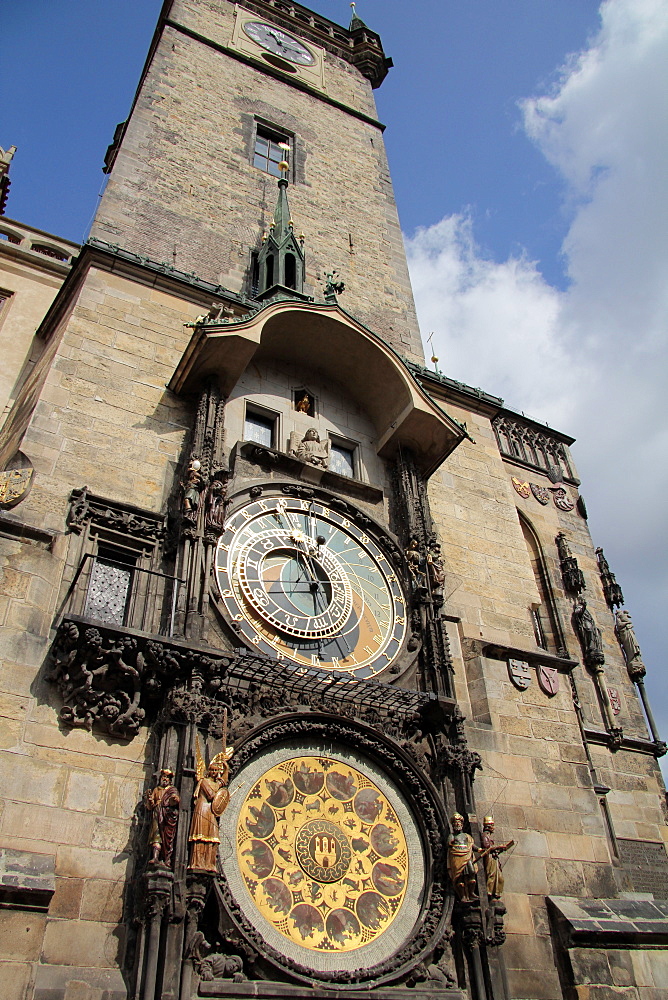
point(535, 778)
point(105, 419)
point(183, 188)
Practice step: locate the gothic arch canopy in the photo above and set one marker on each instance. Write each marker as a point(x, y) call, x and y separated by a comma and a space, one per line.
point(325, 338)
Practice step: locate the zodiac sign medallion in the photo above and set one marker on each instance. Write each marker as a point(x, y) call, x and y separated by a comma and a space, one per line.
point(322, 853)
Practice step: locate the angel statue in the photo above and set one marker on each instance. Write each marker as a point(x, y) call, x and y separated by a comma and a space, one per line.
point(210, 799)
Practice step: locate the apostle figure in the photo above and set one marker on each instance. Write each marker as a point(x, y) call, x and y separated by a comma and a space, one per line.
point(163, 804)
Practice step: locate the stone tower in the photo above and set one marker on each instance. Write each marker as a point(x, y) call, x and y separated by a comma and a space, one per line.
point(291, 622)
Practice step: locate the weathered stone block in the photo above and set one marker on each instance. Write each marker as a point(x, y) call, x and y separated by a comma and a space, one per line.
point(102, 900)
point(66, 900)
point(85, 791)
point(84, 943)
point(565, 878)
point(77, 862)
point(21, 935)
point(15, 978)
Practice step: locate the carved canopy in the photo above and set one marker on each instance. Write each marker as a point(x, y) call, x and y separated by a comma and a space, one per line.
point(326, 338)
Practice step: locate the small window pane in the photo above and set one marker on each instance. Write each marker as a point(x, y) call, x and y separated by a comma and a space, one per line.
point(342, 460)
point(108, 592)
point(268, 153)
point(259, 428)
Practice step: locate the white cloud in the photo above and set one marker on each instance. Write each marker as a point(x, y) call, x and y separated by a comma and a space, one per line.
point(590, 360)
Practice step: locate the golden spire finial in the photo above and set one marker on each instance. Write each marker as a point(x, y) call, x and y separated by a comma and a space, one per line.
point(434, 358)
point(284, 165)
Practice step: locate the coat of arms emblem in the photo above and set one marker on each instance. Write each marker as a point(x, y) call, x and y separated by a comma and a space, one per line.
point(562, 500)
point(14, 486)
point(548, 679)
point(521, 488)
point(541, 493)
point(615, 700)
point(520, 674)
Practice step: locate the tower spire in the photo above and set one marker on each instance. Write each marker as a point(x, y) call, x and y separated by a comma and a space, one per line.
point(355, 21)
point(281, 261)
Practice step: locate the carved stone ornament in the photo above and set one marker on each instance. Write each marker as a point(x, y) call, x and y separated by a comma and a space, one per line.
point(572, 575)
point(108, 677)
point(612, 592)
point(589, 635)
point(116, 681)
point(519, 672)
point(15, 485)
point(630, 647)
point(548, 679)
point(615, 700)
point(523, 489)
point(541, 493)
point(86, 507)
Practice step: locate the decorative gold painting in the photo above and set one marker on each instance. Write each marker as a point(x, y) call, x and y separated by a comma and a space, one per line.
point(322, 853)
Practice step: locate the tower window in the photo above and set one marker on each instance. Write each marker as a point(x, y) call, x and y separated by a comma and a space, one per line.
point(290, 270)
point(268, 154)
point(342, 459)
point(254, 273)
point(260, 426)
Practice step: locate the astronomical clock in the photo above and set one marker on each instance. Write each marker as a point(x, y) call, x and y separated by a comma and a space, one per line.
point(305, 584)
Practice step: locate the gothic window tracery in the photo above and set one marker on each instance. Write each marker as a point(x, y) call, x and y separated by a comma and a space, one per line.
point(539, 449)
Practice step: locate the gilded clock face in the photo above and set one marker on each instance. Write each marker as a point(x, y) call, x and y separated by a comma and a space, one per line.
point(279, 43)
point(303, 583)
point(315, 850)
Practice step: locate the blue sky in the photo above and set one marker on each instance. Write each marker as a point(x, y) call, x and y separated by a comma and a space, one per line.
point(527, 141)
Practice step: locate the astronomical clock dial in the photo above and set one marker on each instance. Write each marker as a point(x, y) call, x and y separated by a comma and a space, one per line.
point(304, 584)
point(317, 857)
point(278, 43)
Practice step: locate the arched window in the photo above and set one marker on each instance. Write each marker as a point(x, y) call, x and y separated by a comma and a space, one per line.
point(544, 616)
point(270, 272)
point(290, 270)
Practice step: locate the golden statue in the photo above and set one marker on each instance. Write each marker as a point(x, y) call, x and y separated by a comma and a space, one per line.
point(490, 858)
point(303, 405)
point(461, 866)
point(210, 800)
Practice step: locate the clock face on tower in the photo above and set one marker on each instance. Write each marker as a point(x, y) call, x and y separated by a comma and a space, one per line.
point(303, 583)
point(279, 43)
